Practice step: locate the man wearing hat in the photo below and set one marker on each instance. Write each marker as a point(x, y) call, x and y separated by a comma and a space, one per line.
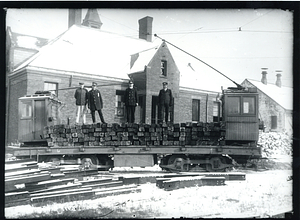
point(95, 103)
point(165, 101)
point(81, 96)
point(131, 101)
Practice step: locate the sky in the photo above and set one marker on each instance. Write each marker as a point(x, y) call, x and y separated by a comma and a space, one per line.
point(236, 42)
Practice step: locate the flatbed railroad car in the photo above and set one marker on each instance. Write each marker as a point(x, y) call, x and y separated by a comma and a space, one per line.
point(215, 146)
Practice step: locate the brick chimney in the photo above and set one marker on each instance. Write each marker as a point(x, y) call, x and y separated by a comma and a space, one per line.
point(145, 28)
point(264, 76)
point(74, 17)
point(92, 19)
point(278, 80)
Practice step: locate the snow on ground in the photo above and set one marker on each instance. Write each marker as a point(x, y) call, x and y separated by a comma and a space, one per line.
point(261, 194)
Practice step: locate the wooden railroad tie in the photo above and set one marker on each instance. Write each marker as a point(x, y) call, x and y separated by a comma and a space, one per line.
point(182, 182)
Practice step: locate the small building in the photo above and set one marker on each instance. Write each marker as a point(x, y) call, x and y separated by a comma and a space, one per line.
point(275, 103)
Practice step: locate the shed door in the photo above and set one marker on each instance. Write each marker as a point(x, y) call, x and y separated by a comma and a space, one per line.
point(39, 118)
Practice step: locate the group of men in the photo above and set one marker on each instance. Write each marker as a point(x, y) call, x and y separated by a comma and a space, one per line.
point(91, 98)
point(94, 101)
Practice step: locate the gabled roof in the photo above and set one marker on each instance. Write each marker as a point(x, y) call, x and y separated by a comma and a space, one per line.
point(191, 76)
point(26, 41)
point(87, 50)
point(282, 95)
point(142, 59)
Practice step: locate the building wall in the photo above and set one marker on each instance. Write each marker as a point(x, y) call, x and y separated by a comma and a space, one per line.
point(17, 88)
point(183, 109)
point(268, 108)
point(155, 79)
point(28, 82)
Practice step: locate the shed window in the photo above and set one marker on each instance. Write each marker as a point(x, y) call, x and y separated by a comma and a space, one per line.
point(119, 103)
point(249, 105)
point(26, 109)
point(163, 68)
point(216, 112)
point(234, 105)
point(195, 110)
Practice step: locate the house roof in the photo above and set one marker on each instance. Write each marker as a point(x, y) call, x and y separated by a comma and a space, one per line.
point(191, 76)
point(142, 59)
point(26, 41)
point(87, 50)
point(282, 95)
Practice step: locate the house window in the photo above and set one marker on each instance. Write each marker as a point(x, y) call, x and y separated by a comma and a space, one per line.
point(195, 110)
point(52, 87)
point(163, 68)
point(274, 122)
point(216, 112)
point(119, 103)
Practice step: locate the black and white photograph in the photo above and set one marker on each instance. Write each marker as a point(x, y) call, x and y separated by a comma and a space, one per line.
point(149, 113)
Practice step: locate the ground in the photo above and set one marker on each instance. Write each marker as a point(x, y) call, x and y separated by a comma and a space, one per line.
point(262, 194)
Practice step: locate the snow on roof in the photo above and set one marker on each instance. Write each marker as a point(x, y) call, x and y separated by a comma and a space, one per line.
point(282, 95)
point(26, 41)
point(194, 77)
point(86, 50)
point(144, 58)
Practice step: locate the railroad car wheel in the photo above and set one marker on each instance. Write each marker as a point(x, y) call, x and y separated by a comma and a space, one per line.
point(179, 161)
point(92, 158)
point(174, 157)
point(53, 159)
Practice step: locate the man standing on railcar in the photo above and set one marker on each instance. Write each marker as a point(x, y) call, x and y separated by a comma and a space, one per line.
point(95, 103)
point(131, 101)
point(165, 101)
point(81, 96)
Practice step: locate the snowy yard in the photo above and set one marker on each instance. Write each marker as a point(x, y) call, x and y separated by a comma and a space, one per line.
point(261, 194)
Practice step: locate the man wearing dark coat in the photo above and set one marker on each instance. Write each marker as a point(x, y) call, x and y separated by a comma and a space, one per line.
point(131, 101)
point(95, 103)
point(165, 101)
point(81, 96)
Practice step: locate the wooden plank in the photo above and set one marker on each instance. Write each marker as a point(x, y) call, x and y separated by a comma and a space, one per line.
point(62, 198)
point(105, 185)
point(17, 202)
point(59, 192)
point(52, 170)
point(213, 181)
point(160, 182)
point(81, 173)
point(228, 176)
point(95, 181)
point(115, 188)
point(20, 161)
point(28, 179)
point(9, 169)
point(21, 173)
point(130, 180)
point(117, 192)
point(182, 182)
point(16, 196)
point(59, 187)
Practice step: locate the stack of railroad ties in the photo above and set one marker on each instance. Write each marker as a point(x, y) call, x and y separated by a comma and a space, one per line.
point(27, 182)
point(127, 134)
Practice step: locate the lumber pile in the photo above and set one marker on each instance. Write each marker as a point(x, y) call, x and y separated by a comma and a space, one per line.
point(127, 134)
point(26, 183)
